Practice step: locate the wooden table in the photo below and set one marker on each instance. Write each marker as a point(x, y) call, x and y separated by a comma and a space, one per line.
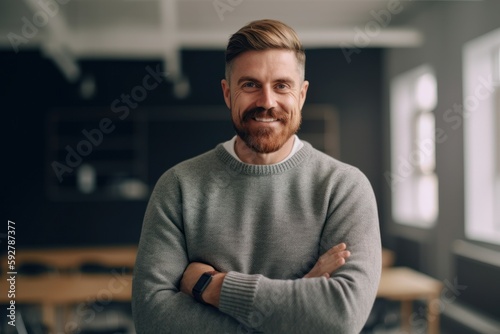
point(407, 285)
point(54, 292)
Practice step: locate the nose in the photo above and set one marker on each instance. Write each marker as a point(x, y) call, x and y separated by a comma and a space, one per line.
point(267, 98)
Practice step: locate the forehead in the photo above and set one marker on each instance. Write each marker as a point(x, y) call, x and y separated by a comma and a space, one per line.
point(266, 64)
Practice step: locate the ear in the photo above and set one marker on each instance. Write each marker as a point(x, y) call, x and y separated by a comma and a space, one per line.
point(303, 93)
point(226, 91)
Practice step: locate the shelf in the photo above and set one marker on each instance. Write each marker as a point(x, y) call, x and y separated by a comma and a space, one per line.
point(93, 156)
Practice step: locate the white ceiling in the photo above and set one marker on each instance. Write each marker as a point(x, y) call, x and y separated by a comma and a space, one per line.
point(68, 30)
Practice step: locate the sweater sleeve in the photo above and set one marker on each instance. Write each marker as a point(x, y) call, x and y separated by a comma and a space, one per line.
point(340, 304)
point(158, 305)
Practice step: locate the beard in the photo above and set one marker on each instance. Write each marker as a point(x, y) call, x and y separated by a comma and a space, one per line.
point(266, 139)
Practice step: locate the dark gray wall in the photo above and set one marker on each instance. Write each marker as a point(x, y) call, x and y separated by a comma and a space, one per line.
point(31, 86)
point(446, 25)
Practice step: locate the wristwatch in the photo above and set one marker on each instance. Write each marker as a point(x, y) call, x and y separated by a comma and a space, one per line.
point(202, 284)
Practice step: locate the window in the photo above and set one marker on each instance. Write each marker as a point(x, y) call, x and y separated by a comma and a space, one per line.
point(497, 131)
point(412, 178)
point(482, 137)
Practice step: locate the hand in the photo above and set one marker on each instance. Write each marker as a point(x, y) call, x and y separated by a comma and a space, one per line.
point(327, 263)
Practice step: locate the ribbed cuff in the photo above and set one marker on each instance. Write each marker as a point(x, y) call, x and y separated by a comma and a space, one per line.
point(238, 294)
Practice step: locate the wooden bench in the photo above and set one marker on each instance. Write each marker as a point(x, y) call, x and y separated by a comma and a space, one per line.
point(71, 260)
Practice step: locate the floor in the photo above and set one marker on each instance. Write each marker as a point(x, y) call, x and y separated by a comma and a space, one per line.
point(116, 319)
point(386, 319)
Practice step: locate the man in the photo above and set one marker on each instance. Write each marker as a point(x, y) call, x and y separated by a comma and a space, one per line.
point(232, 239)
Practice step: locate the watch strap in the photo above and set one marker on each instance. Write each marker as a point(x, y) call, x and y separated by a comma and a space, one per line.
point(202, 284)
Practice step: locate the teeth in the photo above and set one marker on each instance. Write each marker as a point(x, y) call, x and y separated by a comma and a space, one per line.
point(265, 119)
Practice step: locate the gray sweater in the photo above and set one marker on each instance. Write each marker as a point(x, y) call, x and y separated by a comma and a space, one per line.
point(265, 225)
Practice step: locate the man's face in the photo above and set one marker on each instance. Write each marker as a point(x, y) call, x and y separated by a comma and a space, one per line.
point(265, 95)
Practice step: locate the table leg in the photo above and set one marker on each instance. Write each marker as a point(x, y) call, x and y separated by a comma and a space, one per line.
point(406, 308)
point(70, 324)
point(49, 317)
point(433, 316)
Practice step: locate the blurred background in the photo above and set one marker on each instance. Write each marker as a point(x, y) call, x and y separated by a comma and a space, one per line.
point(101, 97)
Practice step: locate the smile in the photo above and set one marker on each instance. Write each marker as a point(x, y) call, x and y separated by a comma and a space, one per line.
point(266, 120)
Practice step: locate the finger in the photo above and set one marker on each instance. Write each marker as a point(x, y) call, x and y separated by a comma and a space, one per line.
point(344, 254)
point(337, 248)
point(333, 267)
point(330, 261)
point(330, 264)
point(337, 264)
point(340, 259)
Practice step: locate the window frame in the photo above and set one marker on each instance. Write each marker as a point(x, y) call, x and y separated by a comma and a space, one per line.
point(414, 189)
point(481, 99)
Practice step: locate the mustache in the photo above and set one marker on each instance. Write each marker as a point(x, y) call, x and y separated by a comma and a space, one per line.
point(272, 113)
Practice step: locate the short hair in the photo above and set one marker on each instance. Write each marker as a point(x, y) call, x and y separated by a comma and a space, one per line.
point(264, 35)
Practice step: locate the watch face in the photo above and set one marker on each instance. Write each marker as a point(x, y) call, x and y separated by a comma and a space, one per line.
point(201, 285)
point(203, 282)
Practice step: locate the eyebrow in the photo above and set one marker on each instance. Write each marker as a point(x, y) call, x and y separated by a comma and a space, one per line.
point(246, 78)
point(249, 78)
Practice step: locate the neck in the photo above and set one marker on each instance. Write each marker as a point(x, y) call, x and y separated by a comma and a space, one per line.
point(249, 156)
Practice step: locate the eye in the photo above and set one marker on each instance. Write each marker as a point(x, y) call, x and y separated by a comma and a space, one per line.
point(249, 84)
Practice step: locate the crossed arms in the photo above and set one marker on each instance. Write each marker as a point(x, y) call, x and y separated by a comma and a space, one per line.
point(335, 294)
point(327, 263)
